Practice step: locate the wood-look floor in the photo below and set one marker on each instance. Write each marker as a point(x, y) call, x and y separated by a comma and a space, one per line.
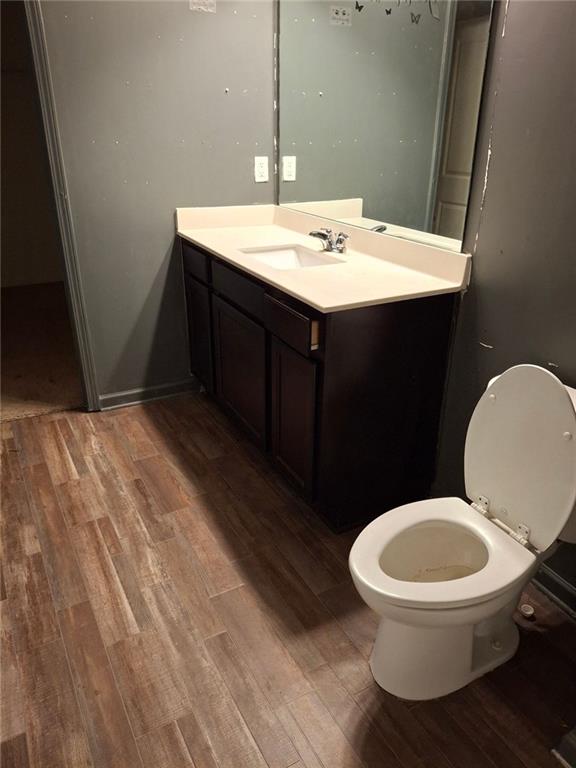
point(167, 603)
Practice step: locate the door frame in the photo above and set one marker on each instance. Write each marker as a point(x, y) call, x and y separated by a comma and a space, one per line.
point(72, 275)
point(441, 101)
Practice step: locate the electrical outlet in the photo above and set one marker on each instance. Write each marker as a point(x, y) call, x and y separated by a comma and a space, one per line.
point(288, 168)
point(260, 169)
point(340, 16)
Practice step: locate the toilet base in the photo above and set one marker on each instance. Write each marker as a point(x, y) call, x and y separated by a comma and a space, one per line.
point(418, 663)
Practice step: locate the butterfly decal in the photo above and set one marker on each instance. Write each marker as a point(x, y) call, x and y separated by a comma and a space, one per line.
point(388, 11)
point(415, 17)
point(359, 7)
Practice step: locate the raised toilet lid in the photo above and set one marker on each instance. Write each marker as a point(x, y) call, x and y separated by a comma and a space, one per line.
point(520, 452)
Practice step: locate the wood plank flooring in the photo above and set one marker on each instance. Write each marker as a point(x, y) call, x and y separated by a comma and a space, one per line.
point(167, 602)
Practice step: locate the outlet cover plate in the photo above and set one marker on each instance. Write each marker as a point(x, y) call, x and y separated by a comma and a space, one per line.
point(261, 169)
point(288, 167)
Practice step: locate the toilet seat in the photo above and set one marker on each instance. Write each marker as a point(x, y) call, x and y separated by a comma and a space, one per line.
point(520, 454)
point(508, 561)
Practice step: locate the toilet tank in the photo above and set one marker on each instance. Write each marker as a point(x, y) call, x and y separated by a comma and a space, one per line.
point(568, 533)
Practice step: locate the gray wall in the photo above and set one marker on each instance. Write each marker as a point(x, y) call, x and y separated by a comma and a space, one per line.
point(152, 77)
point(30, 241)
point(522, 299)
point(371, 133)
point(158, 107)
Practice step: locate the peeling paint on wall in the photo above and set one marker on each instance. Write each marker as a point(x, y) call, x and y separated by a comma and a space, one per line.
point(487, 169)
point(206, 6)
point(505, 18)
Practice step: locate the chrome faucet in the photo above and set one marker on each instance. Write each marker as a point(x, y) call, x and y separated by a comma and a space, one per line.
point(333, 243)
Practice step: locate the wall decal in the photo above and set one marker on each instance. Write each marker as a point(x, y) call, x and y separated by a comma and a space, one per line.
point(433, 7)
point(340, 16)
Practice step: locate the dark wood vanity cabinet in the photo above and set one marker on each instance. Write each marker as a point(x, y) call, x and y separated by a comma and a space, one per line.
point(240, 367)
point(293, 394)
point(384, 369)
point(199, 331)
point(346, 404)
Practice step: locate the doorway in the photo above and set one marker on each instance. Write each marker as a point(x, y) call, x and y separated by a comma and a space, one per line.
point(40, 371)
point(470, 45)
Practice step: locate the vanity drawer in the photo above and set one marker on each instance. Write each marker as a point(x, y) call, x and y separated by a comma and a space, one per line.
point(196, 262)
point(245, 293)
point(298, 331)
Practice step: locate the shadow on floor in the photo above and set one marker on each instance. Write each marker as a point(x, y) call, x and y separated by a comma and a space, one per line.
point(296, 570)
point(40, 373)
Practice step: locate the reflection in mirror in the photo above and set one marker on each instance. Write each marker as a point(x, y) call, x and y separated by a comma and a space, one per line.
point(379, 103)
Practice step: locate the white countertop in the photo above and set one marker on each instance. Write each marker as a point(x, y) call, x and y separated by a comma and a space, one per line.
point(375, 269)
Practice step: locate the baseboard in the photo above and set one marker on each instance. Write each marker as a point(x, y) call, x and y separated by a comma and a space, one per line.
point(143, 394)
point(557, 589)
point(565, 752)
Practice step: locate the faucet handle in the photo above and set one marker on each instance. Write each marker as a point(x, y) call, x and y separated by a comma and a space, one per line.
point(323, 233)
point(340, 244)
point(326, 235)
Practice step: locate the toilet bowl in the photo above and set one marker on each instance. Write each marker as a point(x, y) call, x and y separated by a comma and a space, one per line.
point(445, 575)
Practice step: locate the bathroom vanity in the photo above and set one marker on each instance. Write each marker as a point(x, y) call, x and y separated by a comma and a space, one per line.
point(346, 399)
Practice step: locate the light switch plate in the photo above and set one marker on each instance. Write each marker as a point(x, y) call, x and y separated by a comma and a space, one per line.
point(260, 168)
point(289, 168)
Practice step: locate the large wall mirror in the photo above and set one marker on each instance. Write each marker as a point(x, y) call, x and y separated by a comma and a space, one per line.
point(378, 111)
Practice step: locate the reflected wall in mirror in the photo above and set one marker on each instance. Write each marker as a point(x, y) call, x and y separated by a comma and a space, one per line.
point(379, 104)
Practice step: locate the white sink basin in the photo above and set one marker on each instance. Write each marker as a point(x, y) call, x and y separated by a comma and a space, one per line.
point(291, 256)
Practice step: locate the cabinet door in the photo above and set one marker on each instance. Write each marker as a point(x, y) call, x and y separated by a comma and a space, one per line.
point(199, 331)
point(240, 365)
point(293, 414)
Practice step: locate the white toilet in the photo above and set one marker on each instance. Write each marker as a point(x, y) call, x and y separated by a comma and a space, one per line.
point(445, 575)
